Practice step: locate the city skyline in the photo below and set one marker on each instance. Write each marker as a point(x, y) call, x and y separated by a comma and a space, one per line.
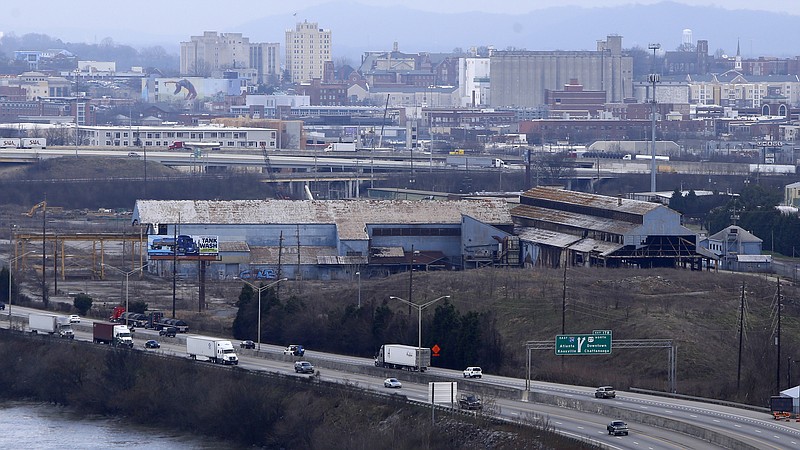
point(171, 23)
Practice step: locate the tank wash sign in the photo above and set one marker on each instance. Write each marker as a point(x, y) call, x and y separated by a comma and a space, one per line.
point(208, 245)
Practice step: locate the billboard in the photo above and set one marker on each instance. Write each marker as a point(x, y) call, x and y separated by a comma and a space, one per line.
point(189, 89)
point(182, 245)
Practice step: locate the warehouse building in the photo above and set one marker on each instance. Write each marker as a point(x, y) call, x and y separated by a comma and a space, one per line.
point(555, 225)
point(307, 239)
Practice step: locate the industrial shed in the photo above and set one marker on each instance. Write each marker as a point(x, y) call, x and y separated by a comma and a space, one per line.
point(333, 239)
point(557, 225)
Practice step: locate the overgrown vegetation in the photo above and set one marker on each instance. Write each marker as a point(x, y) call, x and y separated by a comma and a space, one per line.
point(246, 409)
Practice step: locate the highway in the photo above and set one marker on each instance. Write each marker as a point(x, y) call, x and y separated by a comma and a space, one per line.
point(571, 410)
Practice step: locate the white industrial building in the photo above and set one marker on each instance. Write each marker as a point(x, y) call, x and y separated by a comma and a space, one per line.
point(163, 136)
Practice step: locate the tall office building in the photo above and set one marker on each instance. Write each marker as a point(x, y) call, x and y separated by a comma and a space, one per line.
point(213, 53)
point(308, 47)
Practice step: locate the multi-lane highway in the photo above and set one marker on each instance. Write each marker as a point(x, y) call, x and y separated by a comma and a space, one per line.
point(655, 422)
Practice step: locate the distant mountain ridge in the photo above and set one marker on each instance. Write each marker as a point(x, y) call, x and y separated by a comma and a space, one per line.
point(358, 28)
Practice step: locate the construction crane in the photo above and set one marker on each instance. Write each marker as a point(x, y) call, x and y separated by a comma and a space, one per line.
point(279, 194)
point(42, 204)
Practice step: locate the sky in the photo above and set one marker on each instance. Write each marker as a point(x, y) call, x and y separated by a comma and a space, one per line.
point(148, 22)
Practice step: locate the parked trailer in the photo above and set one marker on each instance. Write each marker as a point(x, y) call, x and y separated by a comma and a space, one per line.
point(397, 356)
point(218, 351)
point(50, 324)
point(109, 333)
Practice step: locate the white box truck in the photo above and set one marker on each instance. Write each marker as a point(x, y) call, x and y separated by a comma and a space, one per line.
point(219, 351)
point(407, 357)
point(50, 324)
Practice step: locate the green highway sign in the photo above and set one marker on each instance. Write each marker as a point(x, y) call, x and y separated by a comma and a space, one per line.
point(583, 344)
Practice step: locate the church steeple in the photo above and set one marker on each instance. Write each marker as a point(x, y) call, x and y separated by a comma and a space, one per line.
point(738, 63)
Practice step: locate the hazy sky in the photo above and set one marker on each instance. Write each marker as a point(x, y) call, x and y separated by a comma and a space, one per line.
point(148, 22)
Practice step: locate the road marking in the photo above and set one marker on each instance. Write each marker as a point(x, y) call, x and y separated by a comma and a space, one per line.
point(717, 420)
point(580, 428)
point(737, 425)
point(693, 416)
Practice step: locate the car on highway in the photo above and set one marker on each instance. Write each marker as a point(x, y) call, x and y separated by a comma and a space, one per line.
point(294, 349)
point(74, 318)
point(168, 331)
point(605, 392)
point(392, 383)
point(133, 155)
point(2, 305)
point(473, 372)
point(247, 344)
point(617, 427)
point(303, 367)
point(470, 402)
point(152, 343)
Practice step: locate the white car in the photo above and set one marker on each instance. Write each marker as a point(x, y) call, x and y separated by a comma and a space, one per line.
point(473, 372)
point(392, 383)
point(74, 318)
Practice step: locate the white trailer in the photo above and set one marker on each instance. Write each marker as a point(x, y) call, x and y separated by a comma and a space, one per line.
point(407, 357)
point(33, 143)
point(341, 147)
point(474, 162)
point(219, 351)
point(50, 324)
point(9, 143)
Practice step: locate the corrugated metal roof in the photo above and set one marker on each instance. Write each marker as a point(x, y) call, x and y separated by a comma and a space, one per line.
point(341, 260)
point(350, 217)
point(754, 258)
point(589, 245)
point(288, 256)
point(580, 221)
point(547, 237)
point(743, 235)
point(596, 201)
point(233, 246)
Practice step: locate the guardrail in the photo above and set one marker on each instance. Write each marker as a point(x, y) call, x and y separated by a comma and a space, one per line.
point(700, 399)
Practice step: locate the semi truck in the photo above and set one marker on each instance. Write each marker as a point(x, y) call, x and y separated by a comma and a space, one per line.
point(218, 351)
point(50, 324)
point(474, 162)
point(162, 244)
point(110, 333)
point(33, 143)
point(9, 142)
point(406, 357)
point(341, 147)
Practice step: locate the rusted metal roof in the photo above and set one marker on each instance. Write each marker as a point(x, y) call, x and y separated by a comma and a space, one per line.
point(580, 221)
point(350, 217)
point(592, 200)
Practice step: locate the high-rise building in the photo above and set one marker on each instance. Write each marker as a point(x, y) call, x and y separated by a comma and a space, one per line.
point(308, 47)
point(214, 53)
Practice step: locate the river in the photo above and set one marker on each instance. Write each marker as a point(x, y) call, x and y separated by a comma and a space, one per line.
point(43, 426)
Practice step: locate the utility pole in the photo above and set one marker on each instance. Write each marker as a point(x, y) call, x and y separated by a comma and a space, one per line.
point(741, 339)
point(654, 78)
point(778, 340)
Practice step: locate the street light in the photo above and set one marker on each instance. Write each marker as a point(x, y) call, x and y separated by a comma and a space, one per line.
point(359, 289)
point(128, 273)
point(260, 289)
point(11, 260)
point(419, 308)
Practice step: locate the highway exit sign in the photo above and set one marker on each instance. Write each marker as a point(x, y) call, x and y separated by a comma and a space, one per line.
point(583, 344)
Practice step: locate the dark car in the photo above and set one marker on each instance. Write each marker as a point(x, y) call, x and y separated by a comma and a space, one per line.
point(168, 331)
point(247, 344)
point(152, 343)
point(2, 305)
point(617, 427)
point(469, 401)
